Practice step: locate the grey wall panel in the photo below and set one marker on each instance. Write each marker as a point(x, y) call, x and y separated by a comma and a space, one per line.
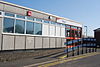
point(58, 42)
point(45, 42)
point(8, 42)
point(21, 11)
point(52, 42)
point(19, 42)
point(9, 8)
point(38, 42)
point(29, 42)
point(63, 41)
point(1, 6)
point(14, 9)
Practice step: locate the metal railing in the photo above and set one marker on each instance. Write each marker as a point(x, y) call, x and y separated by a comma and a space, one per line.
point(81, 46)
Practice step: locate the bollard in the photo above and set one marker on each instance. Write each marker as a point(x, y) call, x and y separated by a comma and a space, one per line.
point(78, 47)
point(82, 45)
point(67, 49)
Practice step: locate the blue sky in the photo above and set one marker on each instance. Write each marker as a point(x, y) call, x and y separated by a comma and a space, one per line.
point(86, 12)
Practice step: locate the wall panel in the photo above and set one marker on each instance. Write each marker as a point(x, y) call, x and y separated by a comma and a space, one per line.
point(45, 30)
point(52, 42)
point(58, 42)
point(52, 30)
point(58, 31)
point(38, 42)
point(29, 42)
point(45, 42)
point(63, 41)
point(8, 42)
point(1, 6)
point(19, 42)
point(62, 31)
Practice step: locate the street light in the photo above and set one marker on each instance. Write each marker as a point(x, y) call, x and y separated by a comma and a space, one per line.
point(86, 36)
point(86, 30)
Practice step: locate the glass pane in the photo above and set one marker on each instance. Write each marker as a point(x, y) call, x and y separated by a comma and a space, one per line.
point(20, 16)
point(46, 21)
point(59, 24)
point(67, 26)
point(37, 29)
point(63, 25)
point(20, 26)
point(30, 18)
point(29, 28)
point(38, 19)
point(9, 14)
point(52, 22)
point(8, 25)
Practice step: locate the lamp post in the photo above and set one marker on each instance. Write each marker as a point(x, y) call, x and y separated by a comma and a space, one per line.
point(86, 36)
point(85, 30)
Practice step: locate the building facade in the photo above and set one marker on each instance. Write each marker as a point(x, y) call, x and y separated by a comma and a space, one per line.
point(25, 28)
point(97, 36)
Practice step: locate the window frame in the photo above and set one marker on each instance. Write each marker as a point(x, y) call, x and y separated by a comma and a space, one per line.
point(13, 25)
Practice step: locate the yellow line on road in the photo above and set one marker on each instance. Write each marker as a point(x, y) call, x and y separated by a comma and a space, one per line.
point(66, 60)
point(62, 60)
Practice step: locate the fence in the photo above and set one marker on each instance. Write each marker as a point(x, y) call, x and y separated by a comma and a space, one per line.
point(80, 46)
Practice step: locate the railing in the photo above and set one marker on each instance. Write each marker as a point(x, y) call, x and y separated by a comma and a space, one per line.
point(80, 46)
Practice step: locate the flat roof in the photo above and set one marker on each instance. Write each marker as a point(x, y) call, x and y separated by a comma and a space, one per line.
point(4, 2)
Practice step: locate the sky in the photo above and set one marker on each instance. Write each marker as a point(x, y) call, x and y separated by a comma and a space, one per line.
point(86, 12)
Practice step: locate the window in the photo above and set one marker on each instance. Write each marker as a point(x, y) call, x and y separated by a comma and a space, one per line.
point(37, 29)
point(20, 16)
point(67, 26)
point(29, 28)
point(63, 25)
point(20, 26)
point(46, 21)
point(59, 24)
point(30, 18)
point(52, 22)
point(38, 19)
point(9, 14)
point(8, 25)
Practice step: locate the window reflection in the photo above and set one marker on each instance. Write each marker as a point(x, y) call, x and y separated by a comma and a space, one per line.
point(30, 18)
point(37, 29)
point(29, 28)
point(38, 19)
point(20, 26)
point(20, 16)
point(9, 14)
point(8, 25)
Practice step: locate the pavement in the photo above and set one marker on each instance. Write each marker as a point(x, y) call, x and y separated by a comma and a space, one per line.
point(82, 60)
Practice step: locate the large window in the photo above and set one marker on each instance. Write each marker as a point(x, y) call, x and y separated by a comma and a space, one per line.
point(8, 25)
point(46, 21)
point(20, 16)
point(29, 28)
point(30, 18)
point(9, 14)
point(52, 22)
point(37, 19)
point(37, 29)
point(20, 26)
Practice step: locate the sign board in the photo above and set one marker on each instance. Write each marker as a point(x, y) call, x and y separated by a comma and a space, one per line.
point(29, 13)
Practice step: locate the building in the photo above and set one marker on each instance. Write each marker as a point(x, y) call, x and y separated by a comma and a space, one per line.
point(97, 36)
point(26, 28)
